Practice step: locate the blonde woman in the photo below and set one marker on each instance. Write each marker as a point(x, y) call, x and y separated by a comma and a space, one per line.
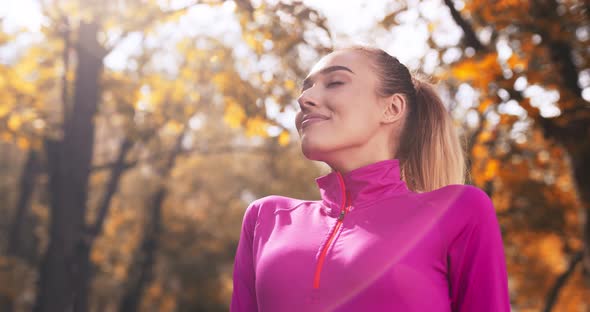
point(396, 228)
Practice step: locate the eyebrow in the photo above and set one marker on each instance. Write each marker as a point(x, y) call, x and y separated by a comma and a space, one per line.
point(324, 71)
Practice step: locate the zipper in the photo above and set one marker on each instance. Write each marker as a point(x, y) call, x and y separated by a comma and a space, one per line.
point(343, 211)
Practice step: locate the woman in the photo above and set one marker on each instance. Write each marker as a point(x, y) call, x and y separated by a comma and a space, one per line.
point(396, 228)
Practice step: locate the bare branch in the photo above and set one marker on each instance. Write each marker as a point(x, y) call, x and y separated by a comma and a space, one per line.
point(471, 39)
point(203, 152)
point(147, 22)
point(117, 170)
point(560, 282)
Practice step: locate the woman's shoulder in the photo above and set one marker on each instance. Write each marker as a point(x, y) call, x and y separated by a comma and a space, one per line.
point(463, 191)
point(463, 209)
point(467, 201)
point(272, 203)
point(274, 200)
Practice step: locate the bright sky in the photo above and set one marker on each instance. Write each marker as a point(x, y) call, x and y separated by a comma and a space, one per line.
point(351, 21)
point(20, 13)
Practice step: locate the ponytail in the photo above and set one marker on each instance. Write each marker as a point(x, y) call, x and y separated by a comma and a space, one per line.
point(430, 150)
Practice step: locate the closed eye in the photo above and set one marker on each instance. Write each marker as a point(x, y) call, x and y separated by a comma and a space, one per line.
point(334, 84)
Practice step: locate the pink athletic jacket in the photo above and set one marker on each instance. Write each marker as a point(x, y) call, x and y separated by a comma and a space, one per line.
point(371, 244)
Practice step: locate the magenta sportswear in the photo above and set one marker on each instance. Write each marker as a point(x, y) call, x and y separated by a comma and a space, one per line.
point(371, 244)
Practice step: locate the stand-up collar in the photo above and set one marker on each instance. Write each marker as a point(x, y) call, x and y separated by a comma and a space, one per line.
point(362, 186)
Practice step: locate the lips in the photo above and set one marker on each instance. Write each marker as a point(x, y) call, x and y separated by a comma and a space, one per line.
point(310, 119)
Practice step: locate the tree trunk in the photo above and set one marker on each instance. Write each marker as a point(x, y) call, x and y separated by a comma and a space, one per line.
point(142, 268)
point(27, 186)
point(580, 154)
point(92, 233)
point(59, 271)
point(575, 135)
point(560, 282)
point(146, 257)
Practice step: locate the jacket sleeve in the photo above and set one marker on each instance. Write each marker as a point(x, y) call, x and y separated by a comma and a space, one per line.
point(244, 292)
point(477, 265)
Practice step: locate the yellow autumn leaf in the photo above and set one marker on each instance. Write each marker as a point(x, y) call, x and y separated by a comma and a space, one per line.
point(178, 92)
point(484, 105)
point(156, 290)
point(14, 122)
point(431, 27)
point(515, 62)
point(4, 110)
point(23, 143)
point(491, 169)
point(97, 256)
point(120, 272)
point(186, 73)
point(253, 41)
point(168, 303)
point(27, 65)
point(234, 114)
point(194, 96)
point(5, 136)
point(157, 97)
point(476, 70)
point(484, 136)
point(184, 44)
point(550, 251)
point(220, 80)
point(290, 85)
point(173, 126)
point(464, 71)
point(284, 138)
point(479, 151)
point(256, 127)
point(189, 109)
point(25, 87)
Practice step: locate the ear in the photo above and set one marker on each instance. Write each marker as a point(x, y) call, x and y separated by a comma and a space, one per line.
point(393, 108)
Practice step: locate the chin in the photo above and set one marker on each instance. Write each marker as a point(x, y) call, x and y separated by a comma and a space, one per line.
point(312, 151)
point(311, 155)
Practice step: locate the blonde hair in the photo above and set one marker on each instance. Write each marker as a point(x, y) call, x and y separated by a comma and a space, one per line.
point(430, 151)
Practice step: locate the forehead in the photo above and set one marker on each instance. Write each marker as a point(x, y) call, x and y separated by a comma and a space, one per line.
point(356, 61)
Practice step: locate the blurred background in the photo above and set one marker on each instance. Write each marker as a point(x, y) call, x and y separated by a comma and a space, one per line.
point(134, 133)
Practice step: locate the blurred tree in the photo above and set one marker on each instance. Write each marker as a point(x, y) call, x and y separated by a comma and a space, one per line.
point(93, 124)
point(529, 152)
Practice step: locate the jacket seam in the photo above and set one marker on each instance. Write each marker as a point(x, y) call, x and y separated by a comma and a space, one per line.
point(292, 208)
point(374, 203)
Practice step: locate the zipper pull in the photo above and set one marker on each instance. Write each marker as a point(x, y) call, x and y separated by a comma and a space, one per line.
point(341, 216)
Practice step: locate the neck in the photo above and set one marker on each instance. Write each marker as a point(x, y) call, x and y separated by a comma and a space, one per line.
point(350, 158)
point(351, 161)
point(344, 167)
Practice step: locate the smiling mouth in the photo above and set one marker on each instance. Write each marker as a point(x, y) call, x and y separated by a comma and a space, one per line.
point(310, 121)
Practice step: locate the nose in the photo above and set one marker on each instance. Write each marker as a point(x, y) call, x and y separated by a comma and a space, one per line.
point(306, 99)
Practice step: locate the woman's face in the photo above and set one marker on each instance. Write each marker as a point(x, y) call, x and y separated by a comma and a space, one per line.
point(340, 109)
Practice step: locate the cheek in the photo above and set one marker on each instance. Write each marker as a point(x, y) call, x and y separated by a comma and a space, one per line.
point(356, 120)
point(355, 128)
